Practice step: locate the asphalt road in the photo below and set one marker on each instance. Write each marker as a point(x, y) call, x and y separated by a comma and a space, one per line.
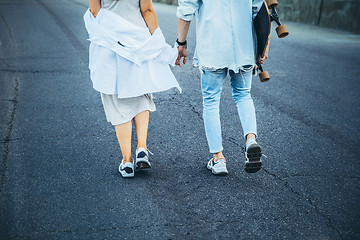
point(58, 173)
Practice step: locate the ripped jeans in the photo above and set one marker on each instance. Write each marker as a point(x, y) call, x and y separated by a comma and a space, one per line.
point(211, 86)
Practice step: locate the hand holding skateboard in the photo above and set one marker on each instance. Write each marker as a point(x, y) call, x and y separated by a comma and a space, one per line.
point(262, 23)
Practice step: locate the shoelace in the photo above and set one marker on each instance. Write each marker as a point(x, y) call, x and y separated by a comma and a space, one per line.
point(150, 152)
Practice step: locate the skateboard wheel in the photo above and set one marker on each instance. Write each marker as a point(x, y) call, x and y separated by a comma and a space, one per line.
point(282, 31)
point(264, 76)
point(272, 3)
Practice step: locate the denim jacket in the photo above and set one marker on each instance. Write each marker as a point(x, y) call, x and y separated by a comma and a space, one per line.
point(225, 37)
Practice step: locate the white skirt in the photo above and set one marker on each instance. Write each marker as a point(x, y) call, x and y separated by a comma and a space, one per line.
point(122, 110)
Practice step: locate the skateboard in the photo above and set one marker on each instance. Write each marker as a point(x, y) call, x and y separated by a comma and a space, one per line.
point(262, 24)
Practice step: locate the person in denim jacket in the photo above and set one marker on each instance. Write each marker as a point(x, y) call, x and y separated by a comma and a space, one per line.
point(225, 44)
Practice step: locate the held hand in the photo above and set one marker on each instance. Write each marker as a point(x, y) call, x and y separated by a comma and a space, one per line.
point(266, 54)
point(182, 53)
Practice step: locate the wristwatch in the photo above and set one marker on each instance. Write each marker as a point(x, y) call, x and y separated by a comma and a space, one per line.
point(181, 43)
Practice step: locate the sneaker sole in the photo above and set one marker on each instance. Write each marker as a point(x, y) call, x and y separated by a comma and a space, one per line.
point(220, 173)
point(142, 165)
point(254, 155)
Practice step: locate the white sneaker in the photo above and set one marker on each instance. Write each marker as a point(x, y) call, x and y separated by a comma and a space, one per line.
point(218, 167)
point(142, 159)
point(253, 153)
point(126, 169)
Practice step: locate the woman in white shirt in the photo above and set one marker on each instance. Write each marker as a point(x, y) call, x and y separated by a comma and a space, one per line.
point(128, 61)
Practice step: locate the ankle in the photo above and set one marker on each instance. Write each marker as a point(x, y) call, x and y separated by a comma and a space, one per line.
point(127, 159)
point(141, 146)
point(218, 156)
point(250, 136)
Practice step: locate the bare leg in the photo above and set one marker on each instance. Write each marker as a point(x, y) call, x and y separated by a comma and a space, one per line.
point(141, 122)
point(123, 133)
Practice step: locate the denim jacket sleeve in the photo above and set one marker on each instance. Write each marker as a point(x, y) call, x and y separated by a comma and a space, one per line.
point(187, 9)
point(256, 5)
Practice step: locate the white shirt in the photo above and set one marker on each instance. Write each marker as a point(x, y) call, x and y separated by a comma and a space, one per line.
point(125, 59)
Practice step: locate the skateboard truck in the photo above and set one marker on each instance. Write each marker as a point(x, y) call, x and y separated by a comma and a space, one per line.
point(281, 29)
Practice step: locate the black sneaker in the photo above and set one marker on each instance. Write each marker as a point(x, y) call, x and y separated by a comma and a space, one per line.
point(253, 155)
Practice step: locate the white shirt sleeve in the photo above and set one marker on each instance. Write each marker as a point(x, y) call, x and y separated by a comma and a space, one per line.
point(187, 9)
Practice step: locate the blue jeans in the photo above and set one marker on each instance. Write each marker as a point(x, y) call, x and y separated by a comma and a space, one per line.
point(211, 86)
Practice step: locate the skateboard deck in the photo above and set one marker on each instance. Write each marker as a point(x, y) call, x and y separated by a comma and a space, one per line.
point(262, 24)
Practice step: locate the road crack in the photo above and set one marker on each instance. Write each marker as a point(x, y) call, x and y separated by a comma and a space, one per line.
point(10, 125)
point(308, 200)
point(318, 175)
point(177, 102)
